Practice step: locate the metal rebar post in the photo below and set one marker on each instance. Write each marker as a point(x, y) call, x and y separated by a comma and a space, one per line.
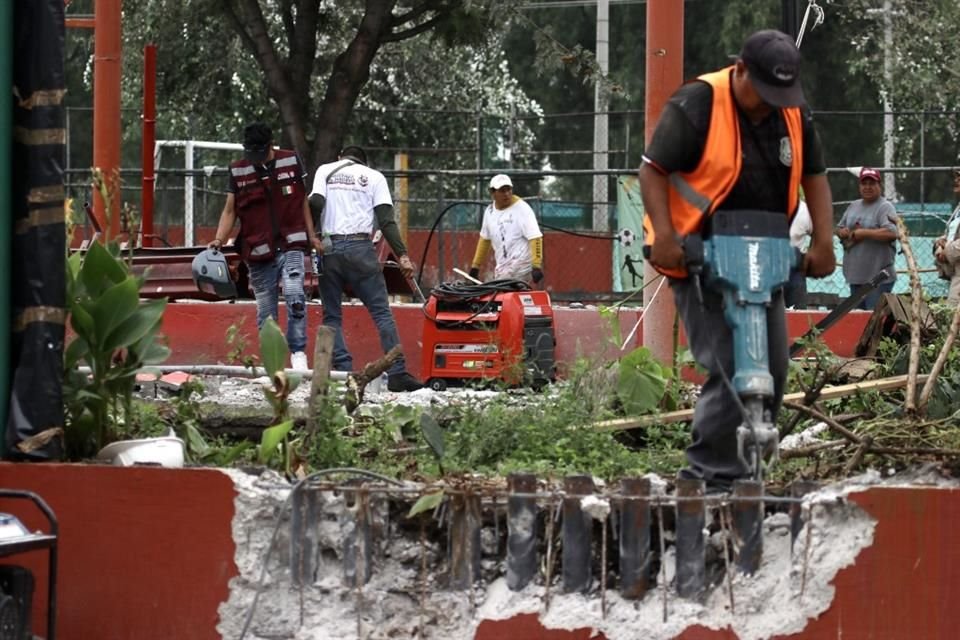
point(521, 531)
point(303, 535)
point(357, 539)
point(798, 489)
point(577, 535)
point(464, 540)
point(748, 524)
point(636, 556)
point(691, 517)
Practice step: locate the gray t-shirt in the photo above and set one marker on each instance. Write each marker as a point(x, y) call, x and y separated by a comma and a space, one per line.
point(866, 258)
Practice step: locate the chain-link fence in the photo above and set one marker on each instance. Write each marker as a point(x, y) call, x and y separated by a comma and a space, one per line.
point(442, 193)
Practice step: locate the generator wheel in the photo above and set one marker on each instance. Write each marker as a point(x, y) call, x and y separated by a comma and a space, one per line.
point(437, 384)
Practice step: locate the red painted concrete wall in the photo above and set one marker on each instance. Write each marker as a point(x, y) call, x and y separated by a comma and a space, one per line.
point(148, 554)
point(196, 332)
point(145, 553)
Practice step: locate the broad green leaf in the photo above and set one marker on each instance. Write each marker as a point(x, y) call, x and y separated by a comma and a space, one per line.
point(136, 325)
point(100, 270)
point(273, 347)
point(433, 434)
point(642, 382)
point(231, 455)
point(155, 354)
point(196, 443)
point(82, 323)
point(271, 439)
point(115, 306)
point(426, 502)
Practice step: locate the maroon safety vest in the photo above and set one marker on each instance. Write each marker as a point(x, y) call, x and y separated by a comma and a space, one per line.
point(270, 208)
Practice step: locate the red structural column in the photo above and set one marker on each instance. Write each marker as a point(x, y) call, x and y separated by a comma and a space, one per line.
point(106, 109)
point(664, 73)
point(149, 137)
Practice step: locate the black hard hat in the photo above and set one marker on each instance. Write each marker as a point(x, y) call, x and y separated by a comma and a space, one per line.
point(211, 275)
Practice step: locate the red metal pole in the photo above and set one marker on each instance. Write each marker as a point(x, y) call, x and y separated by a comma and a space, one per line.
point(664, 74)
point(149, 138)
point(106, 109)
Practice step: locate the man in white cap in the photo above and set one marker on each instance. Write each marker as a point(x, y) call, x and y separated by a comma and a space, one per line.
point(510, 227)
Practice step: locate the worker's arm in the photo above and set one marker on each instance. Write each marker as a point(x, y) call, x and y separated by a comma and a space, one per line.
point(311, 230)
point(819, 260)
point(666, 251)
point(480, 254)
point(536, 252)
point(880, 234)
point(227, 219)
point(316, 203)
point(390, 229)
point(391, 232)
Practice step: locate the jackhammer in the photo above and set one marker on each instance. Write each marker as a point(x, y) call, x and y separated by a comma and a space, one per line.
point(746, 256)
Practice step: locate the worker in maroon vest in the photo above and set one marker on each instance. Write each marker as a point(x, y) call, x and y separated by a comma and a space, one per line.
point(267, 194)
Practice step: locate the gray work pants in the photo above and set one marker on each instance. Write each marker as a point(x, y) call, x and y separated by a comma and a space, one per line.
point(713, 454)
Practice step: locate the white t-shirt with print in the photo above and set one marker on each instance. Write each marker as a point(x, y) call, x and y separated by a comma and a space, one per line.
point(351, 191)
point(510, 231)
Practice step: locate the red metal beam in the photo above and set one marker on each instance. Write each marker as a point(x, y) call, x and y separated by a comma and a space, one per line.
point(106, 110)
point(664, 73)
point(81, 22)
point(149, 137)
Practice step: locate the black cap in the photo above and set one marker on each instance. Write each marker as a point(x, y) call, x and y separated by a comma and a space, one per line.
point(257, 137)
point(773, 61)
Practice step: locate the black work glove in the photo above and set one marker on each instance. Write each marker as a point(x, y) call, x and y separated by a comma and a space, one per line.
point(474, 272)
point(536, 275)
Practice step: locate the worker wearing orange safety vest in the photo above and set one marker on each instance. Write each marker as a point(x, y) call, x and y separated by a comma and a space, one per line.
point(736, 139)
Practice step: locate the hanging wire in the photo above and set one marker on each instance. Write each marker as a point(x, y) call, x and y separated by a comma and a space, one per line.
point(817, 20)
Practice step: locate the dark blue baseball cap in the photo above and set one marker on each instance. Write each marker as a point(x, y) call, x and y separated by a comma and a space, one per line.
point(773, 61)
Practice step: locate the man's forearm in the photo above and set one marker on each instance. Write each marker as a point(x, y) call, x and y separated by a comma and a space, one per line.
point(316, 203)
point(656, 202)
point(390, 229)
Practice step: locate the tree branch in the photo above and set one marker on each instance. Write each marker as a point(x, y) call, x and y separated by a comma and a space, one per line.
point(413, 31)
point(916, 294)
point(286, 15)
point(941, 360)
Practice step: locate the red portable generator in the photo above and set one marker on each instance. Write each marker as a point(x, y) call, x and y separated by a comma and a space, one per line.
point(500, 335)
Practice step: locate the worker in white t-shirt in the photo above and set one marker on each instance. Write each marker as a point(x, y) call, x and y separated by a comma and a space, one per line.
point(801, 228)
point(510, 227)
point(347, 200)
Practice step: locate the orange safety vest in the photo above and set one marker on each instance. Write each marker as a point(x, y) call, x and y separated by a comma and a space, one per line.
point(696, 194)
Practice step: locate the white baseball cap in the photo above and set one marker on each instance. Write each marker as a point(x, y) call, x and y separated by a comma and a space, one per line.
point(500, 180)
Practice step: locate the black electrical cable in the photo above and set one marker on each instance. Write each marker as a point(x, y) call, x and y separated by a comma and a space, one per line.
point(462, 291)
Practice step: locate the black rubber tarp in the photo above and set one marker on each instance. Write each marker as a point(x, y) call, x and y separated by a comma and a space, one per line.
point(38, 235)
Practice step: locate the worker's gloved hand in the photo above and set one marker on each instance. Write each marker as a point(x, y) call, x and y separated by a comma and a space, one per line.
point(666, 252)
point(406, 266)
point(820, 261)
point(536, 275)
point(474, 272)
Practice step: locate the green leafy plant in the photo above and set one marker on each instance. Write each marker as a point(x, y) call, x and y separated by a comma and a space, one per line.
point(642, 382)
point(275, 443)
point(116, 335)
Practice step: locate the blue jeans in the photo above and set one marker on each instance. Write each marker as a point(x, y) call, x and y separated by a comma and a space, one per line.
point(355, 263)
point(264, 278)
point(870, 301)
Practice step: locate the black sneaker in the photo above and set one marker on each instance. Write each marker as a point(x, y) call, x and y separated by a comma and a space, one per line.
point(403, 382)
